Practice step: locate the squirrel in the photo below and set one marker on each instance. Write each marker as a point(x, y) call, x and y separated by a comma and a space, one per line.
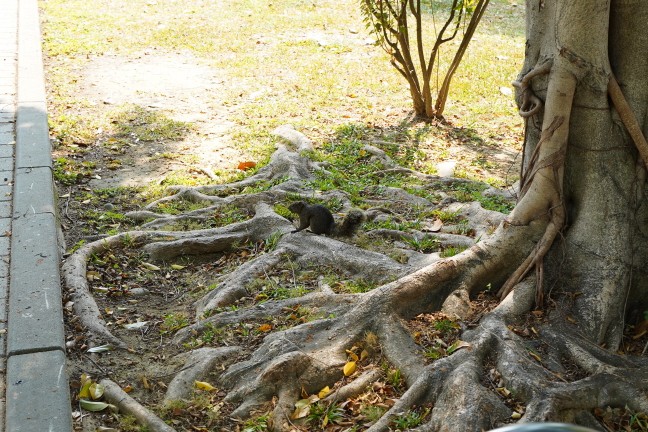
point(320, 220)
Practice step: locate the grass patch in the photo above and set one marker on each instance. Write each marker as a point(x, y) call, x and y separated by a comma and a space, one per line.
point(137, 123)
point(324, 75)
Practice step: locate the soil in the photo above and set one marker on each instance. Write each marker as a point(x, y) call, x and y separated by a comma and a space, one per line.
point(178, 85)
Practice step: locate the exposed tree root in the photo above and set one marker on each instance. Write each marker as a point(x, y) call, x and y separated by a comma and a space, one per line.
point(127, 405)
point(464, 389)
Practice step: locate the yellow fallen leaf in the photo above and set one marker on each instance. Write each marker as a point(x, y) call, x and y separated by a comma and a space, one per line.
point(177, 266)
point(85, 378)
point(93, 275)
point(349, 368)
point(202, 385)
point(325, 391)
point(503, 391)
point(96, 391)
point(84, 393)
point(150, 266)
point(353, 356)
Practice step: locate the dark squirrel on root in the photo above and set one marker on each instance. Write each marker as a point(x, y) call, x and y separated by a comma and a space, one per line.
point(320, 220)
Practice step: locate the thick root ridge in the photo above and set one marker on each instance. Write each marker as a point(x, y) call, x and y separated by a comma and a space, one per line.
point(303, 356)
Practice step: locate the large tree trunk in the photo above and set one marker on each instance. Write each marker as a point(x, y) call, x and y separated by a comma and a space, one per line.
point(598, 258)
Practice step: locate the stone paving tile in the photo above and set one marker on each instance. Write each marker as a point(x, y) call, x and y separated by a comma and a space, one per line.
point(37, 393)
point(34, 393)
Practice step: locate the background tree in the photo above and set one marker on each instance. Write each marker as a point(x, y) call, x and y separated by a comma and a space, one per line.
point(400, 28)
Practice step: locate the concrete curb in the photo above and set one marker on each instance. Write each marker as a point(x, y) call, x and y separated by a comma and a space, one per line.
point(37, 389)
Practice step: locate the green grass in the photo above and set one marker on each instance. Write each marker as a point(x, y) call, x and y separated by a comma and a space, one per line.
point(305, 63)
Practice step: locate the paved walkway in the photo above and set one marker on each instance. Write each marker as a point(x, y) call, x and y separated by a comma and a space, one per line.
point(34, 392)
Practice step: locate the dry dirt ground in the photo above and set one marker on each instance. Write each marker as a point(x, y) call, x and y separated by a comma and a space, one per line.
point(185, 89)
point(178, 85)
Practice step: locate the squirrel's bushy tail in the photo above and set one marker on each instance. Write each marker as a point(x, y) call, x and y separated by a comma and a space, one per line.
point(350, 223)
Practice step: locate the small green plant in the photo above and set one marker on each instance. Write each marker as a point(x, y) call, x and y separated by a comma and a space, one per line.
point(257, 424)
point(372, 412)
point(434, 353)
point(77, 246)
point(282, 210)
point(69, 172)
point(638, 422)
point(463, 227)
point(173, 322)
point(451, 251)
point(409, 419)
point(395, 377)
point(322, 414)
point(175, 207)
point(426, 244)
point(357, 286)
point(128, 423)
point(142, 124)
point(447, 217)
point(446, 325)
point(272, 241)
point(209, 335)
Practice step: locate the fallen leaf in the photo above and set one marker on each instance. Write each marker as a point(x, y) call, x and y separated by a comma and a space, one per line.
point(246, 165)
point(349, 368)
point(93, 275)
point(436, 225)
point(96, 391)
point(302, 407)
point(202, 385)
point(641, 328)
point(95, 406)
point(136, 325)
point(300, 412)
point(353, 356)
point(101, 348)
point(364, 354)
point(177, 266)
point(150, 266)
point(324, 392)
point(265, 328)
point(503, 391)
point(458, 344)
point(84, 393)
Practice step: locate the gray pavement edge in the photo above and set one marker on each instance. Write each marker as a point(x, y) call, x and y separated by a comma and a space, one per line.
point(37, 391)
